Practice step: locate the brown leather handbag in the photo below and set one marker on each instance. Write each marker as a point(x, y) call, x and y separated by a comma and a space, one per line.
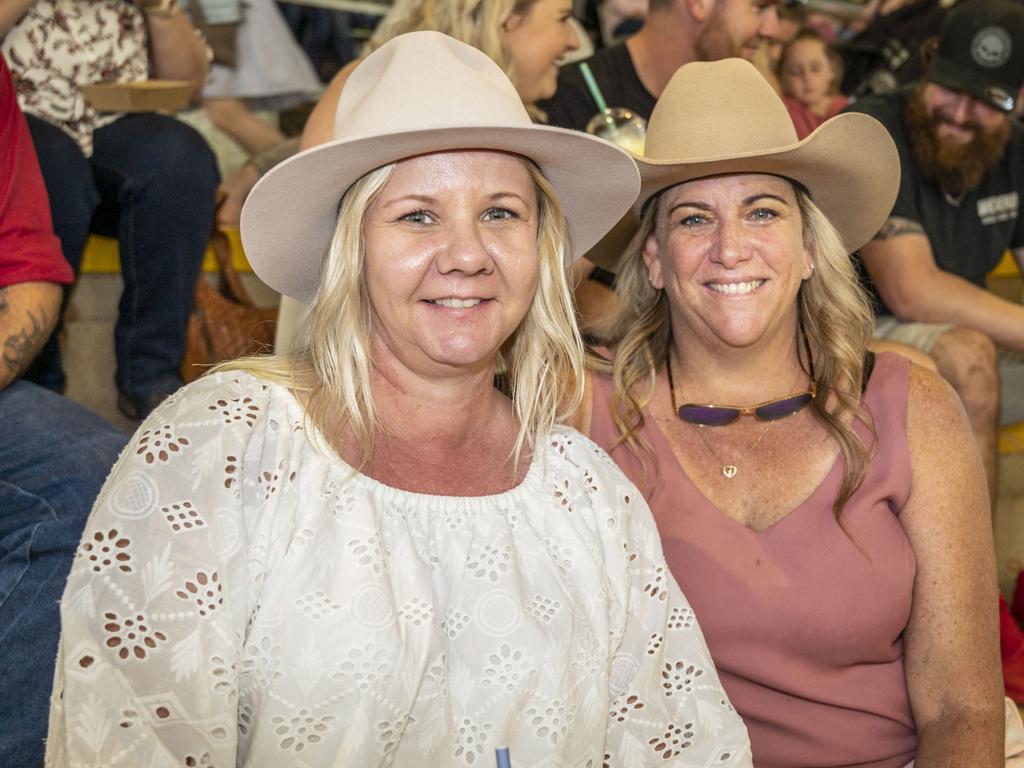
point(225, 323)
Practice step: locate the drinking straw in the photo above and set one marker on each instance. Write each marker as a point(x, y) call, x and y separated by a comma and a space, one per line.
point(595, 91)
point(503, 760)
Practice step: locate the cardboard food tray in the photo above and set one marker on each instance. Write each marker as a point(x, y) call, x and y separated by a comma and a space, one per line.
point(144, 96)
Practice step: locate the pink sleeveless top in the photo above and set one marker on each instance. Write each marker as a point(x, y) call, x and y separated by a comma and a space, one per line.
point(806, 629)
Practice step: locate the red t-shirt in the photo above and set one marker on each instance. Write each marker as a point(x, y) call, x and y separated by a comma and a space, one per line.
point(29, 251)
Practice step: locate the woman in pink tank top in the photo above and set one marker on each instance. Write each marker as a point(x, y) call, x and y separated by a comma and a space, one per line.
point(832, 532)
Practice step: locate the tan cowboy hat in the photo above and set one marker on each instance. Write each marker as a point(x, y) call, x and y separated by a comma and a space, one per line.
point(723, 117)
point(422, 92)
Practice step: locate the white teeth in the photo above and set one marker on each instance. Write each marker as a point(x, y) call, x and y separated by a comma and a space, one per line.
point(736, 289)
point(457, 303)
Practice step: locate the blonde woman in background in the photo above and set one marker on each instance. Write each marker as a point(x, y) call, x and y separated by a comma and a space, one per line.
point(362, 553)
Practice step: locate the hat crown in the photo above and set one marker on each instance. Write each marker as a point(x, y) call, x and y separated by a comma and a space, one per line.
point(378, 100)
point(717, 109)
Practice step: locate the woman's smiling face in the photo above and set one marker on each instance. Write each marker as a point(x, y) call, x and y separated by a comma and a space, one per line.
point(729, 252)
point(452, 261)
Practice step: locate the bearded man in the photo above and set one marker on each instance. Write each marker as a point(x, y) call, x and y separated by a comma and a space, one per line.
point(958, 211)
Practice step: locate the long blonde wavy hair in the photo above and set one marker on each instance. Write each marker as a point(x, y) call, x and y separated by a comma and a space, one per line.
point(330, 366)
point(475, 22)
point(835, 318)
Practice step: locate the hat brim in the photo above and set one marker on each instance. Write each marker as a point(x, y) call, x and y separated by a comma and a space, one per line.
point(290, 215)
point(854, 189)
point(951, 75)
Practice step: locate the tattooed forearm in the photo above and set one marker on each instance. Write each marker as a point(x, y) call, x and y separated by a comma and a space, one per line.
point(899, 226)
point(21, 348)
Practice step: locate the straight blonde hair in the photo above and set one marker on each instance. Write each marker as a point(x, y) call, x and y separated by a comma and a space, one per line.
point(835, 319)
point(330, 367)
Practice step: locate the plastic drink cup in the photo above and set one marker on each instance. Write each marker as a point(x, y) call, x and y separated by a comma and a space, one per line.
point(620, 126)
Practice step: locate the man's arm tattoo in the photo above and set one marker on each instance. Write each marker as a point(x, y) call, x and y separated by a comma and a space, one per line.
point(896, 226)
point(21, 348)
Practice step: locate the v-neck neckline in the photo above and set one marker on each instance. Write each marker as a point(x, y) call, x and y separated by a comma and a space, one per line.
point(828, 479)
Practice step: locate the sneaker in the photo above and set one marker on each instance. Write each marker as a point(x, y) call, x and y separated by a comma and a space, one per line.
point(138, 407)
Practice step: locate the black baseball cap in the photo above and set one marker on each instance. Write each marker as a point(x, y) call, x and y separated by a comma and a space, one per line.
point(981, 51)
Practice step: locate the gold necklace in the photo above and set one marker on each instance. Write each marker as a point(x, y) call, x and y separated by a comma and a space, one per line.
point(729, 469)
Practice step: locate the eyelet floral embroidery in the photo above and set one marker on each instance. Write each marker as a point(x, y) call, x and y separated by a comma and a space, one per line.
point(416, 612)
point(182, 517)
point(681, 617)
point(368, 552)
point(160, 444)
point(238, 409)
point(316, 605)
point(223, 675)
point(625, 706)
point(551, 722)
point(131, 636)
point(471, 737)
point(366, 667)
point(673, 741)
point(230, 471)
point(657, 586)
point(204, 590)
point(268, 481)
point(301, 730)
point(680, 677)
point(654, 643)
point(262, 662)
point(454, 622)
point(544, 608)
point(107, 549)
point(492, 562)
point(389, 733)
point(508, 667)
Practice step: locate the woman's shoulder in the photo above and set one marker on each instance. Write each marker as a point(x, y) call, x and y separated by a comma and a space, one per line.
point(933, 407)
point(238, 393)
point(232, 406)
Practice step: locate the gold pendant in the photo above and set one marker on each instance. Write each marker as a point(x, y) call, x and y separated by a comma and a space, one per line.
point(729, 470)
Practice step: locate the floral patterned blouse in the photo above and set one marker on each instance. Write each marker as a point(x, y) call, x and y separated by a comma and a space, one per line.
point(61, 44)
point(242, 597)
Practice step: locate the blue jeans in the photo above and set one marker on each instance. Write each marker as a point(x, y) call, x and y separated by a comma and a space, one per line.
point(151, 183)
point(54, 457)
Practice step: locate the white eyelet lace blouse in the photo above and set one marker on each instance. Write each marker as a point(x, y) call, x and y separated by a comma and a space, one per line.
point(239, 598)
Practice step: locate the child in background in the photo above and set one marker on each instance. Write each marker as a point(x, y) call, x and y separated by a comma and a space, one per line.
point(810, 72)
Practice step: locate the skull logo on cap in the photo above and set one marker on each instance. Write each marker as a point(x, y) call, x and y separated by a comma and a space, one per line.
point(991, 47)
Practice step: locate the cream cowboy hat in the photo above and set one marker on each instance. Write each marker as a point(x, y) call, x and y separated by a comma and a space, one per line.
point(422, 92)
point(723, 117)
